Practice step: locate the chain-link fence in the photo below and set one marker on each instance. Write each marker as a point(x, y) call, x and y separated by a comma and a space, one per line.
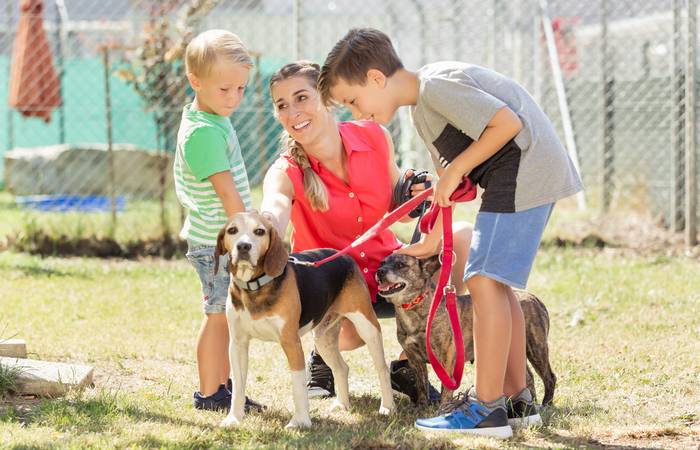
point(617, 77)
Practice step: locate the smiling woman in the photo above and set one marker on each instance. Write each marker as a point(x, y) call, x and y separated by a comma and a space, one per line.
point(334, 181)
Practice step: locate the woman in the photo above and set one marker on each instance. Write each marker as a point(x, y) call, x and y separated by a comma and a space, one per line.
point(334, 181)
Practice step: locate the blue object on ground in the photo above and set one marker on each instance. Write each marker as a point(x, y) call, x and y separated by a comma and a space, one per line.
point(65, 203)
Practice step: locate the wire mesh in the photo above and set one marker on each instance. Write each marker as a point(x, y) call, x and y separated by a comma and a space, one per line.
point(623, 65)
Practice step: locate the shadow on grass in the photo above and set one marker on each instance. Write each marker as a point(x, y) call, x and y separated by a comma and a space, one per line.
point(36, 271)
point(588, 442)
point(361, 428)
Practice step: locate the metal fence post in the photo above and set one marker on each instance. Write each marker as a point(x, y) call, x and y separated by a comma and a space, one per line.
point(8, 25)
point(558, 77)
point(677, 121)
point(60, 11)
point(296, 29)
point(110, 150)
point(691, 181)
point(608, 129)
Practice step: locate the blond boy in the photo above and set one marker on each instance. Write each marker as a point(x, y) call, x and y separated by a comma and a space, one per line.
point(211, 184)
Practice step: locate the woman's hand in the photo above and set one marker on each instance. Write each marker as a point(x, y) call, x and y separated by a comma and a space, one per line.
point(426, 247)
point(418, 187)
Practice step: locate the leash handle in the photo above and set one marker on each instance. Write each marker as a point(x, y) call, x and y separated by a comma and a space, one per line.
point(443, 288)
point(466, 191)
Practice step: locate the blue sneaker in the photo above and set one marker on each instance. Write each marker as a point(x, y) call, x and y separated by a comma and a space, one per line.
point(467, 414)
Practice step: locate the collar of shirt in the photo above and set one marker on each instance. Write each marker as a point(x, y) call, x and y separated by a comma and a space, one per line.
point(351, 143)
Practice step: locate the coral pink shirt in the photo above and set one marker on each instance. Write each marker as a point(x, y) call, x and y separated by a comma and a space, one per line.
point(353, 207)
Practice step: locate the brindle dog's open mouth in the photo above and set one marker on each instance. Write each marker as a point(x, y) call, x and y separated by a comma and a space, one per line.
point(387, 288)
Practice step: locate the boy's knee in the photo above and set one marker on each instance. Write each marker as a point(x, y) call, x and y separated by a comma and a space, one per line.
point(481, 282)
point(218, 318)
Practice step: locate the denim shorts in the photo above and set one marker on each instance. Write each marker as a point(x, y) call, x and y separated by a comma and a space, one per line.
point(214, 285)
point(504, 245)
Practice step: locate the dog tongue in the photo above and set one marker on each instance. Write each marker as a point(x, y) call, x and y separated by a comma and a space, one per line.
point(385, 286)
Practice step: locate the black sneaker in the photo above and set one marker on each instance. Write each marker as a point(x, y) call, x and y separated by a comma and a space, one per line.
point(522, 411)
point(321, 383)
point(218, 401)
point(403, 381)
point(250, 405)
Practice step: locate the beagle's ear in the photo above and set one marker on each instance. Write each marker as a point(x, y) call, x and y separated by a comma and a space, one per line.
point(220, 248)
point(276, 255)
point(430, 265)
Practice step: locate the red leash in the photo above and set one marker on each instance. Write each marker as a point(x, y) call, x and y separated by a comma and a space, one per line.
point(465, 192)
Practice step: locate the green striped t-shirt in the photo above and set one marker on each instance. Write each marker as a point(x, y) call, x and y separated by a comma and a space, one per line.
point(206, 144)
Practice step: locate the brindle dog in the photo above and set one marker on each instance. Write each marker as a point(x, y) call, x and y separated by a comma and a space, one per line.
point(408, 283)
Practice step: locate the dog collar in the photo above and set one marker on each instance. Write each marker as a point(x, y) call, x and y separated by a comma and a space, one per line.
point(413, 302)
point(253, 285)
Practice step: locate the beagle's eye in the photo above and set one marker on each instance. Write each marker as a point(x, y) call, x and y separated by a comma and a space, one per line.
point(259, 231)
point(232, 230)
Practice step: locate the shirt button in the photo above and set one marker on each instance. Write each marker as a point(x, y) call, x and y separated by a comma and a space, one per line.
point(365, 270)
point(357, 236)
point(351, 195)
point(359, 219)
point(362, 254)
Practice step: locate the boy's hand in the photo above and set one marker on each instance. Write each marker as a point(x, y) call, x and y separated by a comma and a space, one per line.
point(446, 185)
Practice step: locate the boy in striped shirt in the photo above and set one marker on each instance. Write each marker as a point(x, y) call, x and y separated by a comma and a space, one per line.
point(211, 184)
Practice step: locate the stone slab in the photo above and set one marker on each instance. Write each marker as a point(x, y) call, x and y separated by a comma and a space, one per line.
point(46, 378)
point(14, 348)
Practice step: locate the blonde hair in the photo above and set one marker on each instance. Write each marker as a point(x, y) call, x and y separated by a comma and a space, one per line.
point(314, 189)
point(206, 47)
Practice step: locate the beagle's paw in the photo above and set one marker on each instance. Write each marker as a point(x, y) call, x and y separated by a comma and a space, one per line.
point(339, 406)
point(304, 422)
point(386, 410)
point(230, 421)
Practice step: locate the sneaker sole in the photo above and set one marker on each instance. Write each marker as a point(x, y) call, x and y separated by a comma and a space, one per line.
point(504, 432)
point(522, 422)
point(320, 393)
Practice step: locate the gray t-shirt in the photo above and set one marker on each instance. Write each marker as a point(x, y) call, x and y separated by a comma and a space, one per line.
point(455, 103)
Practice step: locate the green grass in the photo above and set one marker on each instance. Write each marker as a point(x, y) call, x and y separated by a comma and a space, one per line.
point(624, 342)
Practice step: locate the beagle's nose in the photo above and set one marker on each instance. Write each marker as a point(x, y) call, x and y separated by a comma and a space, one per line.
point(243, 246)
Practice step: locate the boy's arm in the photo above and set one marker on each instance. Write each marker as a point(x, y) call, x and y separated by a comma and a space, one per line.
point(502, 127)
point(226, 191)
point(278, 194)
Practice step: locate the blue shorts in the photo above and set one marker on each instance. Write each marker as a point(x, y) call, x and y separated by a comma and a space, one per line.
point(504, 245)
point(214, 285)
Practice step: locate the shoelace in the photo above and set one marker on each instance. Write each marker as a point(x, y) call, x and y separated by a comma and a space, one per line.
point(458, 403)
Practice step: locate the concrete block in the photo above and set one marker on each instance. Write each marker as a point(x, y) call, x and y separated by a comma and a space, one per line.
point(47, 378)
point(14, 348)
point(84, 170)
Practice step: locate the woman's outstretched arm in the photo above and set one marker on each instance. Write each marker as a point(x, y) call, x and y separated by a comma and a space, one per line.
point(278, 194)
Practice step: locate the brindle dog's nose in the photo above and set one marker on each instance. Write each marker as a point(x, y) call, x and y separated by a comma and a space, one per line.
point(243, 247)
point(381, 273)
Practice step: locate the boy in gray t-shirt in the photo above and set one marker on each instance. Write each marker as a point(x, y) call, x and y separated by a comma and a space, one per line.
point(481, 124)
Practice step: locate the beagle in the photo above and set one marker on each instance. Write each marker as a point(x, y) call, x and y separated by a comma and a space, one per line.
point(273, 299)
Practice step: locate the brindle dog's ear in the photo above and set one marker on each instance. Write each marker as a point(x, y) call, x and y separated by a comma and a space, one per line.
point(220, 247)
point(276, 255)
point(431, 265)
